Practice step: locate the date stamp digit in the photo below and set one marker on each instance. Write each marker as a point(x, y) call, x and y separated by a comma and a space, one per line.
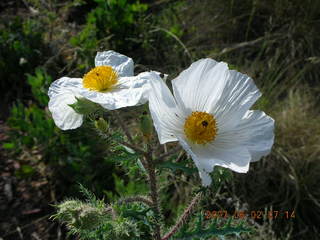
point(259, 214)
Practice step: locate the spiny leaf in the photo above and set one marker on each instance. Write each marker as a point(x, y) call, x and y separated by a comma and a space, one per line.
point(212, 230)
point(86, 107)
point(178, 166)
point(91, 198)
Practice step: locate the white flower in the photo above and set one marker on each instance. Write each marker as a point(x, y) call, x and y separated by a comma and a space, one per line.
point(111, 84)
point(62, 94)
point(209, 115)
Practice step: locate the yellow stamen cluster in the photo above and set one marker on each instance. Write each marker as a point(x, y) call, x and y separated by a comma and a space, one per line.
point(100, 79)
point(200, 127)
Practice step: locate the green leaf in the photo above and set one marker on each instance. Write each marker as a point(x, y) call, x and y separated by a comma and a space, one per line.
point(25, 171)
point(8, 145)
point(85, 107)
point(146, 125)
point(203, 229)
point(219, 176)
point(178, 166)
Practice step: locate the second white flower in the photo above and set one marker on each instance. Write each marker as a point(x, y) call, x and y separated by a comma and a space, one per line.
point(209, 115)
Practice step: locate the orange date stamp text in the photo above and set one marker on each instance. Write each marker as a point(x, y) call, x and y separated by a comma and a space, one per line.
point(272, 214)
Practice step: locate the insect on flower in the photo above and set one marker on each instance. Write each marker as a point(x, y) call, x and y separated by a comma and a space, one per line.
point(110, 84)
point(209, 115)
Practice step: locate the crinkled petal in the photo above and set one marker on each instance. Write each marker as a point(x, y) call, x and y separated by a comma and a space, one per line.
point(200, 84)
point(222, 152)
point(130, 91)
point(121, 63)
point(209, 86)
point(232, 156)
point(256, 132)
point(63, 92)
point(167, 118)
point(234, 148)
point(59, 86)
point(204, 175)
point(238, 95)
point(243, 135)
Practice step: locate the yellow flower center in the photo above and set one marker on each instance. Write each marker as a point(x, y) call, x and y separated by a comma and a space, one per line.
point(200, 127)
point(100, 79)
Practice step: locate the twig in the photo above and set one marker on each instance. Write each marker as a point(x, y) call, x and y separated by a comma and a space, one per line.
point(157, 3)
point(27, 225)
point(155, 199)
point(49, 60)
point(243, 44)
point(35, 235)
point(136, 199)
point(184, 217)
point(124, 128)
point(112, 211)
point(20, 232)
point(59, 232)
point(30, 8)
point(176, 38)
point(131, 144)
point(168, 153)
point(180, 156)
point(138, 150)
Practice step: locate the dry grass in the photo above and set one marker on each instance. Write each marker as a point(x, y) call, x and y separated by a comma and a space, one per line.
point(276, 44)
point(288, 179)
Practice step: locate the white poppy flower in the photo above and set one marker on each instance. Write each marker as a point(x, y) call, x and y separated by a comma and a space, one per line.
point(111, 84)
point(209, 115)
point(62, 93)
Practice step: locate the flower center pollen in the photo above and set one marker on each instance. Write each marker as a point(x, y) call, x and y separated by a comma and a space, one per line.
point(200, 127)
point(100, 79)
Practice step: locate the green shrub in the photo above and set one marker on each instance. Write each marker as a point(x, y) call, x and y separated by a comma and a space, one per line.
point(70, 154)
point(109, 25)
point(21, 50)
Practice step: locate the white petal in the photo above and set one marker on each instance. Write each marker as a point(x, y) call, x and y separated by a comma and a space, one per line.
point(238, 95)
point(167, 118)
point(257, 131)
point(121, 63)
point(232, 156)
point(205, 178)
point(227, 154)
point(210, 86)
point(162, 75)
point(63, 92)
point(59, 86)
point(204, 175)
point(130, 91)
point(251, 139)
point(200, 84)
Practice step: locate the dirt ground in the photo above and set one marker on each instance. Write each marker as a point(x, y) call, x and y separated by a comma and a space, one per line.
point(25, 202)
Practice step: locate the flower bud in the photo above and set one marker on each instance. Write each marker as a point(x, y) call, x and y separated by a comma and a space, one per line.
point(85, 107)
point(101, 124)
point(89, 217)
point(146, 125)
point(80, 215)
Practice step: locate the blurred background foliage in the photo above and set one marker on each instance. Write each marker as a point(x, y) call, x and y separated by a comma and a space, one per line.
point(275, 42)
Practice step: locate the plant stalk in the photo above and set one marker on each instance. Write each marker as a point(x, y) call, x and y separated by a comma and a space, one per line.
point(184, 217)
point(153, 192)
